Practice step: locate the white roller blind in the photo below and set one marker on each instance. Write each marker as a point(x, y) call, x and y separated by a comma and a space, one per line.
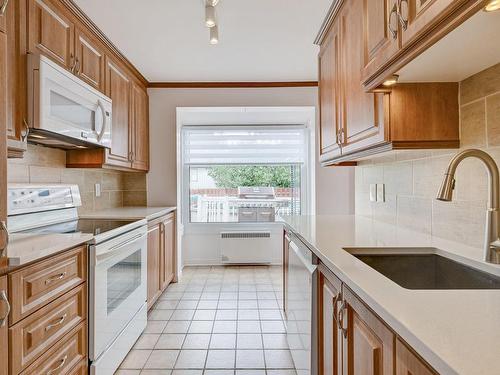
point(244, 144)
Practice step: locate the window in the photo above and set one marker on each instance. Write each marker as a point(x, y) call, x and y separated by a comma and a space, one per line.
point(243, 174)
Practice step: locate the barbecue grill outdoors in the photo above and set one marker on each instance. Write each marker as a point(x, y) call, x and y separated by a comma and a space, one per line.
point(253, 206)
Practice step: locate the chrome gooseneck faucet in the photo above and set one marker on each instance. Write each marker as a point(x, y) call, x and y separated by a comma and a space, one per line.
point(491, 240)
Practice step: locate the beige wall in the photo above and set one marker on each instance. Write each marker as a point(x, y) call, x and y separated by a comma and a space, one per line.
point(48, 165)
point(334, 185)
point(413, 178)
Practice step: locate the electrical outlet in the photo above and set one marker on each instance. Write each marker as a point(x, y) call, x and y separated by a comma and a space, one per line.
point(373, 192)
point(380, 192)
point(97, 190)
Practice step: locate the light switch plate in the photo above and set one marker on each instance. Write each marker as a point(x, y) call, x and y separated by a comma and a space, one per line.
point(97, 190)
point(373, 192)
point(380, 188)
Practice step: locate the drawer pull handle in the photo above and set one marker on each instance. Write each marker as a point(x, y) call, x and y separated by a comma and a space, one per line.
point(3, 297)
point(57, 323)
point(60, 366)
point(55, 278)
point(3, 8)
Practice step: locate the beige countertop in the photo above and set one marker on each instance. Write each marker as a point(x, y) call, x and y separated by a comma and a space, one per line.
point(26, 248)
point(456, 331)
point(132, 212)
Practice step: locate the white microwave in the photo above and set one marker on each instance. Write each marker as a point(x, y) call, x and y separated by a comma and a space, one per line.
point(64, 111)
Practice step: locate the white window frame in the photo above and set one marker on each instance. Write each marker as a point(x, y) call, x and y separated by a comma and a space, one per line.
point(217, 116)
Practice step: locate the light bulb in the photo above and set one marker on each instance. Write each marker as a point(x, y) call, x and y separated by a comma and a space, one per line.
point(492, 6)
point(214, 35)
point(210, 16)
point(391, 81)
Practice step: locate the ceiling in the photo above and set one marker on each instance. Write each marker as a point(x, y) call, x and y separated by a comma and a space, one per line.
point(259, 40)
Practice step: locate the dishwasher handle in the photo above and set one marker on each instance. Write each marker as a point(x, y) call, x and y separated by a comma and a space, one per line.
point(311, 268)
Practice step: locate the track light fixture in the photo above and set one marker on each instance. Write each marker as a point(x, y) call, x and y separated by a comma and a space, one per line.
point(210, 15)
point(211, 20)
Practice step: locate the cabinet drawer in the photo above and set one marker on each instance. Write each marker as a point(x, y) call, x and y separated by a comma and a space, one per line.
point(62, 358)
point(80, 369)
point(31, 337)
point(38, 284)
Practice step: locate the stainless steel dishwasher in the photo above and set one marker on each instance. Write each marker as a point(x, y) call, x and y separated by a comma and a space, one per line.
point(300, 305)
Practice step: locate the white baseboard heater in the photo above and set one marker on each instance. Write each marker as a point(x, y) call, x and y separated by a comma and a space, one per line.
point(246, 247)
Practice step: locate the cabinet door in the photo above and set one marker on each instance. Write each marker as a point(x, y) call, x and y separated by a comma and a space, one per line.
point(16, 77)
point(362, 112)
point(4, 345)
point(381, 34)
point(50, 31)
point(167, 265)
point(154, 244)
point(118, 88)
point(286, 247)
point(329, 111)
point(89, 54)
point(420, 15)
point(140, 138)
point(3, 148)
point(408, 363)
point(330, 337)
point(369, 345)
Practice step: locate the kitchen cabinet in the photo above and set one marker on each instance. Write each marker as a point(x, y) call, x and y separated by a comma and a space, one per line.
point(329, 334)
point(381, 30)
point(4, 337)
point(3, 149)
point(408, 363)
point(140, 128)
point(286, 248)
point(162, 264)
point(329, 94)
point(167, 253)
point(51, 32)
point(16, 78)
point(118, 88)
point(89, 59)
point(154, 249)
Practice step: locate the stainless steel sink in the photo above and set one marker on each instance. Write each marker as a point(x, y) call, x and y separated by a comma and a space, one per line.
point(426, 270)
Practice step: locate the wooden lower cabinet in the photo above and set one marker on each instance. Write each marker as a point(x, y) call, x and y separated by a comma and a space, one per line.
point(161, 256)
point(353, 340)
point(4, 335)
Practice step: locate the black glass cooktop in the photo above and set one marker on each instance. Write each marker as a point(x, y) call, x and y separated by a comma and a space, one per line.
point(92, 226)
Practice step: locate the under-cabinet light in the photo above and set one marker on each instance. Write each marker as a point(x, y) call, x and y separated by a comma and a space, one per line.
point(492, 6)
point(391, 81)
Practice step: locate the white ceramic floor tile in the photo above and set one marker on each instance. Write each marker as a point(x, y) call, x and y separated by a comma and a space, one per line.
point(270, 315)
point(272, 326)
point(187, 372)
point(250, 372)
point(191, 359)
point(177, 326)
point(277, 359)
point(135, 359)
point(170, 341)
point(268, 304)
point(250, 359)
point(226, 315)
point(249, 341)
point(223, 341)
point(166, 305)
point(224, 326)
point(197, 341)
point(204, 315)
point(147, 341)
point(207, 305)
point(282, 372)
point(162, 359)
point(275, 341)
point(160, 314)
point(187, 305)
point(229, 304)
point(248, 314)
point(182, 315)
point(221, 359)
point(200, 326)
point(155, 326)
point(247, 304)
point(128, 372)
point(218, 372)
point(156, 372)
point(248, 326)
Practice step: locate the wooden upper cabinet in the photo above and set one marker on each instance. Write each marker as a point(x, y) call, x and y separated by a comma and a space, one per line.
point(407, 363)
point(370, 344)
point(140, 137)
point(51, 31)
point(381, 34)
point(362, 112)
point(90, 59)
point(118, 88)
point(420, 15)
point(4, 335)
point(329, 93)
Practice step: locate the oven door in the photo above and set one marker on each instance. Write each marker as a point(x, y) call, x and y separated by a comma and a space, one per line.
point(118, 287)
point(63, 104)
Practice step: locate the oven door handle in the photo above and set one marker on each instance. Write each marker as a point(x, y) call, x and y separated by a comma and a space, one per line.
point(115, 249)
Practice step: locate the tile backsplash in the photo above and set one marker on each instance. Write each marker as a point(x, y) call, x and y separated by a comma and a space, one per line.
point(412, 178)
point(48, 165)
